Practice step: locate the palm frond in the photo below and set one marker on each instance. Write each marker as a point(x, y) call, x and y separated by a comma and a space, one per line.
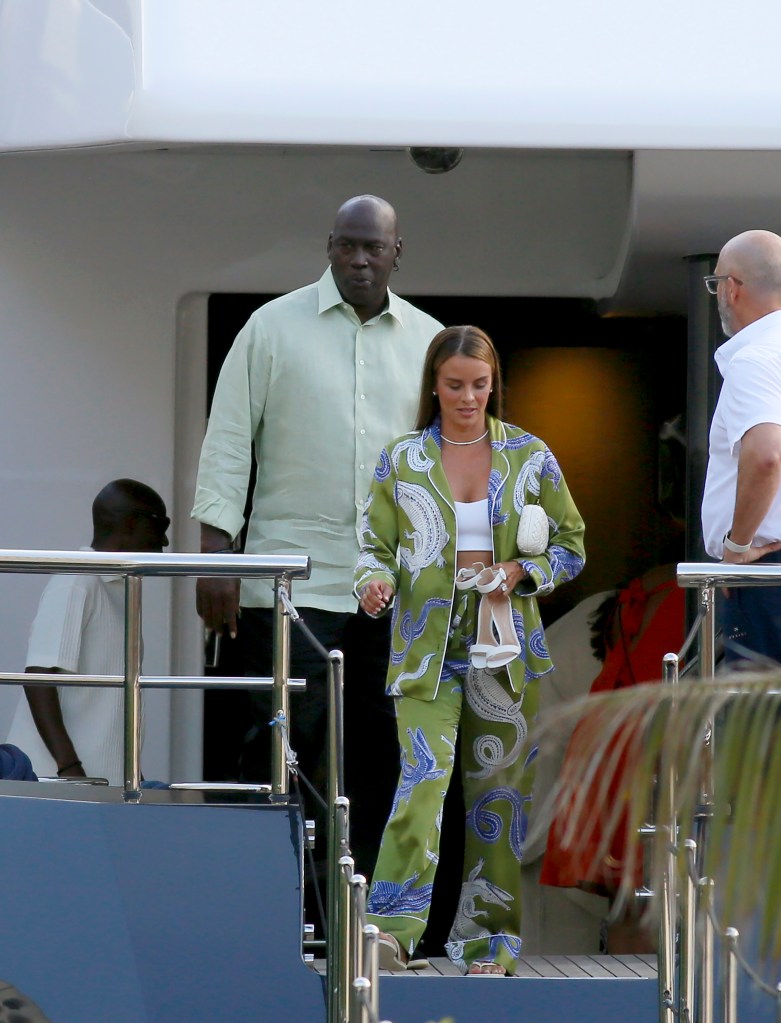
point(719, 742)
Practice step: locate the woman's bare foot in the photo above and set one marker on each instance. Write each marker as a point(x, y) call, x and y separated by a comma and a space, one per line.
point(486, 969)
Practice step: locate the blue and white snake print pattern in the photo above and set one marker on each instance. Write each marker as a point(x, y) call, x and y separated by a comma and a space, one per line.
point(405, 676)
point(383, 470)
point(564, 561)
point(495, 495)
point(417, 459)
point(429, 536)
point(539, 465)
point(424, 768)
point(389, 899)
point(490, 701)
point(466, 926)
point(487, 825)
point(528, 479)
point(514, 443)
point(410, 631)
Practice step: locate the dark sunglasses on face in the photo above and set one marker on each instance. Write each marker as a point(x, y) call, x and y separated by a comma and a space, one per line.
point(161, 521)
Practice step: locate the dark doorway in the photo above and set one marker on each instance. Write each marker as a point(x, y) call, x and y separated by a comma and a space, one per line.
point(595, 388)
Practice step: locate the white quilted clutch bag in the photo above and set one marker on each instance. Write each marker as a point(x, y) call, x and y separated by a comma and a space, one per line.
point(533, 530)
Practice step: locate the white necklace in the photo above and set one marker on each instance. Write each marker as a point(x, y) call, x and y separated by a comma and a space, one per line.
point(464, 443)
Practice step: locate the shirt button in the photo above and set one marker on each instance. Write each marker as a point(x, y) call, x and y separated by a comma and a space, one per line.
point(361, 362)
point(363, 432)
point(363, 396)
point(361, 466)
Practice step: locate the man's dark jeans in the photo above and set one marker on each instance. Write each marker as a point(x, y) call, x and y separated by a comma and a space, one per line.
point(751, 619)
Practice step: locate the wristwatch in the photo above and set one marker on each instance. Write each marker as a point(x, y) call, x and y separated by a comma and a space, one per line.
point(736, 548)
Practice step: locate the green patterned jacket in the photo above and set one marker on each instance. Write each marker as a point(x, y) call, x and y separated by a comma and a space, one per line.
point(408, 539)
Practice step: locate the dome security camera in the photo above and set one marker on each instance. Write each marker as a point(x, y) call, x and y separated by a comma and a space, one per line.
point(435, 159)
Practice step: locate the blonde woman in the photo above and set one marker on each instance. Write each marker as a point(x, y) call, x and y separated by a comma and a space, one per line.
point(439, 543)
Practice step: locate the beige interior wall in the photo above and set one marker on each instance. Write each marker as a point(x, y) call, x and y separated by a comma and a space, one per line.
point(594, 408)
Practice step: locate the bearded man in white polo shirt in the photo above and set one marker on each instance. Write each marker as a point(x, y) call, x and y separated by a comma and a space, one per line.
point(741, 506)
point(319, 380)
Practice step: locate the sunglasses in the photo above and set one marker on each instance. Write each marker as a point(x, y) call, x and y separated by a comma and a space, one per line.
point(161, 521)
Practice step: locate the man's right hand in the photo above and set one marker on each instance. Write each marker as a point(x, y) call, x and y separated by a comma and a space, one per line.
point(217, 599)
point(217, 602)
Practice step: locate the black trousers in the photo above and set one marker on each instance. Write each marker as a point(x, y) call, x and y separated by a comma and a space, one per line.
point(371, 749)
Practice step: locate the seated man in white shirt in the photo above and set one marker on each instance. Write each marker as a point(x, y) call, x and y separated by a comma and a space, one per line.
point(75, 731)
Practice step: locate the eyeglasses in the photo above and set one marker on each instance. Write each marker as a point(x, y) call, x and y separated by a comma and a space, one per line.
point(161, 521)
point(712, 281)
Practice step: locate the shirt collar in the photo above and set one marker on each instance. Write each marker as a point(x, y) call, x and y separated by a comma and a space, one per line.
point(104, 578)
point(725, 353)
point(329, 297)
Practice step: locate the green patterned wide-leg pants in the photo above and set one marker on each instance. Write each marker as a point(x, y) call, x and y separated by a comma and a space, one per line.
point(497, 772)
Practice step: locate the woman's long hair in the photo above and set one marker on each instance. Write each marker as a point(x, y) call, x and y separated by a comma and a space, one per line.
point(470, 341)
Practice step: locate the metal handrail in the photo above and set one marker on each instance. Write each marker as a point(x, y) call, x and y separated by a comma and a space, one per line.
point(352, 949)
point(696, 922)
point(708, 574)
point(247, 566)
point(352, 975)
point(133, 568)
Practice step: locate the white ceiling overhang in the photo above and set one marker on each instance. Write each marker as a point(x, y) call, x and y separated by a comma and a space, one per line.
point(502, 73)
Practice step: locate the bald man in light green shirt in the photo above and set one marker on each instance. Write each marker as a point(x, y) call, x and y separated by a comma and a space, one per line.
point(320, 393)
point(320, 380)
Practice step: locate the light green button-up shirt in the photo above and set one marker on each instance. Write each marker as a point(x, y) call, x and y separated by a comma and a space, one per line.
point(320, 394)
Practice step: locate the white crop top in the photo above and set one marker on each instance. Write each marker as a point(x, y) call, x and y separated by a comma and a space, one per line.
point(474, 529)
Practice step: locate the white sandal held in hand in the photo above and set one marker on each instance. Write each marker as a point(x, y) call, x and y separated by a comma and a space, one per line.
point(489, 579)
point(466, 578)
point(487, 652)
point(485, 641)
point(508, 647)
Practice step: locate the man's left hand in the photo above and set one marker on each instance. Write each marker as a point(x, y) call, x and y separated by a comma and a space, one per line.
point(751, 555)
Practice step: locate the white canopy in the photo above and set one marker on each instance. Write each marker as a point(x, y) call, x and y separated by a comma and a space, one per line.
point(501, 73)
